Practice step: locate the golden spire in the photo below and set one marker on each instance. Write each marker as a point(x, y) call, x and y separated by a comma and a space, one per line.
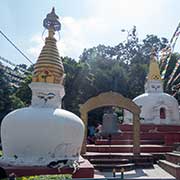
point(49, 67)
point(154, 72)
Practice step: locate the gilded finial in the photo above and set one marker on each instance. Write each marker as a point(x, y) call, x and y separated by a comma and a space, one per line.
point(51, 21)
point(153, 55)
point(154, 72)
point(49, 67)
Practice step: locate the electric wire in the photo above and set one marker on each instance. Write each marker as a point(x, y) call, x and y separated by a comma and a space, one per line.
point(15, 47)
point(15, 65)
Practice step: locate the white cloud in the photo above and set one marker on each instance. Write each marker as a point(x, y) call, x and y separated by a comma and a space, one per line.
point(36, 45)
point(75, 36)
point(104, 24)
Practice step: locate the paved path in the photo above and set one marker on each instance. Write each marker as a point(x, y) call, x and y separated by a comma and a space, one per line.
point(153, 173)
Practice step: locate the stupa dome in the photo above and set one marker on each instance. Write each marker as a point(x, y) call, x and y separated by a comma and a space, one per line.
point(156, 106)
point(43, 133)
point(38, 136)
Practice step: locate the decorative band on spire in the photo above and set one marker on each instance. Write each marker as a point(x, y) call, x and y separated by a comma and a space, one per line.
point(49, 67)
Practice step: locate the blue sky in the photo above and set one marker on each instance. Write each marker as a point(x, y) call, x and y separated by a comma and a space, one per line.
point(85, 23)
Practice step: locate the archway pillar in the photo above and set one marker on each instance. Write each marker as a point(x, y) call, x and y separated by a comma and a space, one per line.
point(136, 135)
point(84, 117)
point(112, 99)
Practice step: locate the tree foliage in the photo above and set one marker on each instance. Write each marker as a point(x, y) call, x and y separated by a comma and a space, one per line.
point(121, 68)
point(5, 92)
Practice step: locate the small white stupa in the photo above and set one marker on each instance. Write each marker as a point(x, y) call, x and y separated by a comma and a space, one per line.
point(156, 106)
point(43, 133)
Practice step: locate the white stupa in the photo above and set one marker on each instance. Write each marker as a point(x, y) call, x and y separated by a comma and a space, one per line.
point(43, 133)
point(156, 106)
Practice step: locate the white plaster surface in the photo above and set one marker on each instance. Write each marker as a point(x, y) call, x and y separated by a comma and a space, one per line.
point(41, 133)
point(46, 94)
point(150, 103)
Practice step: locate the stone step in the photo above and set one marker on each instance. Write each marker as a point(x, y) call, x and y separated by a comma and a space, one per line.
point(150, 127)
point(99, 155)
point(143, 136)
point(128, 148)
point(144, 160)
point(126, 142)
point(171, 168)
point(169, 138)
point(139, 163)
point(173, 157)
point(117, 167)
point(144, 157)
point(109, 161)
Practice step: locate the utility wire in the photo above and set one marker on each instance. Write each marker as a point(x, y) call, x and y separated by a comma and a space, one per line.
point(15, 65)
point(11, 75)
point(15, 47)
point(11, 72)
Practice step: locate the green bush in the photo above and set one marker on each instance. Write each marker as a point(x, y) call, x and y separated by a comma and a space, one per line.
point(46, 177)
point(1, 153)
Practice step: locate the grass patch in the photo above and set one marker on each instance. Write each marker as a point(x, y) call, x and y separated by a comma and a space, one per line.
point(1, 153)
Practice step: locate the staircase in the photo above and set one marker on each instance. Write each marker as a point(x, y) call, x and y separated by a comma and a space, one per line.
point(128, 142)
point(117, 161)
point(110, 164)
point(117, 153)
point(129, 148)
point(171, 164)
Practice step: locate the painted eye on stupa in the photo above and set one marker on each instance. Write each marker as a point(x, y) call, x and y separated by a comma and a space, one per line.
point(46, 96)
point(50, 95)
point(41, 95)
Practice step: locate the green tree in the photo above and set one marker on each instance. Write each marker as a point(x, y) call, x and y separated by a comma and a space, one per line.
point(23, 92)
point(121, 68)
point(77, 81)
point(5, 91)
